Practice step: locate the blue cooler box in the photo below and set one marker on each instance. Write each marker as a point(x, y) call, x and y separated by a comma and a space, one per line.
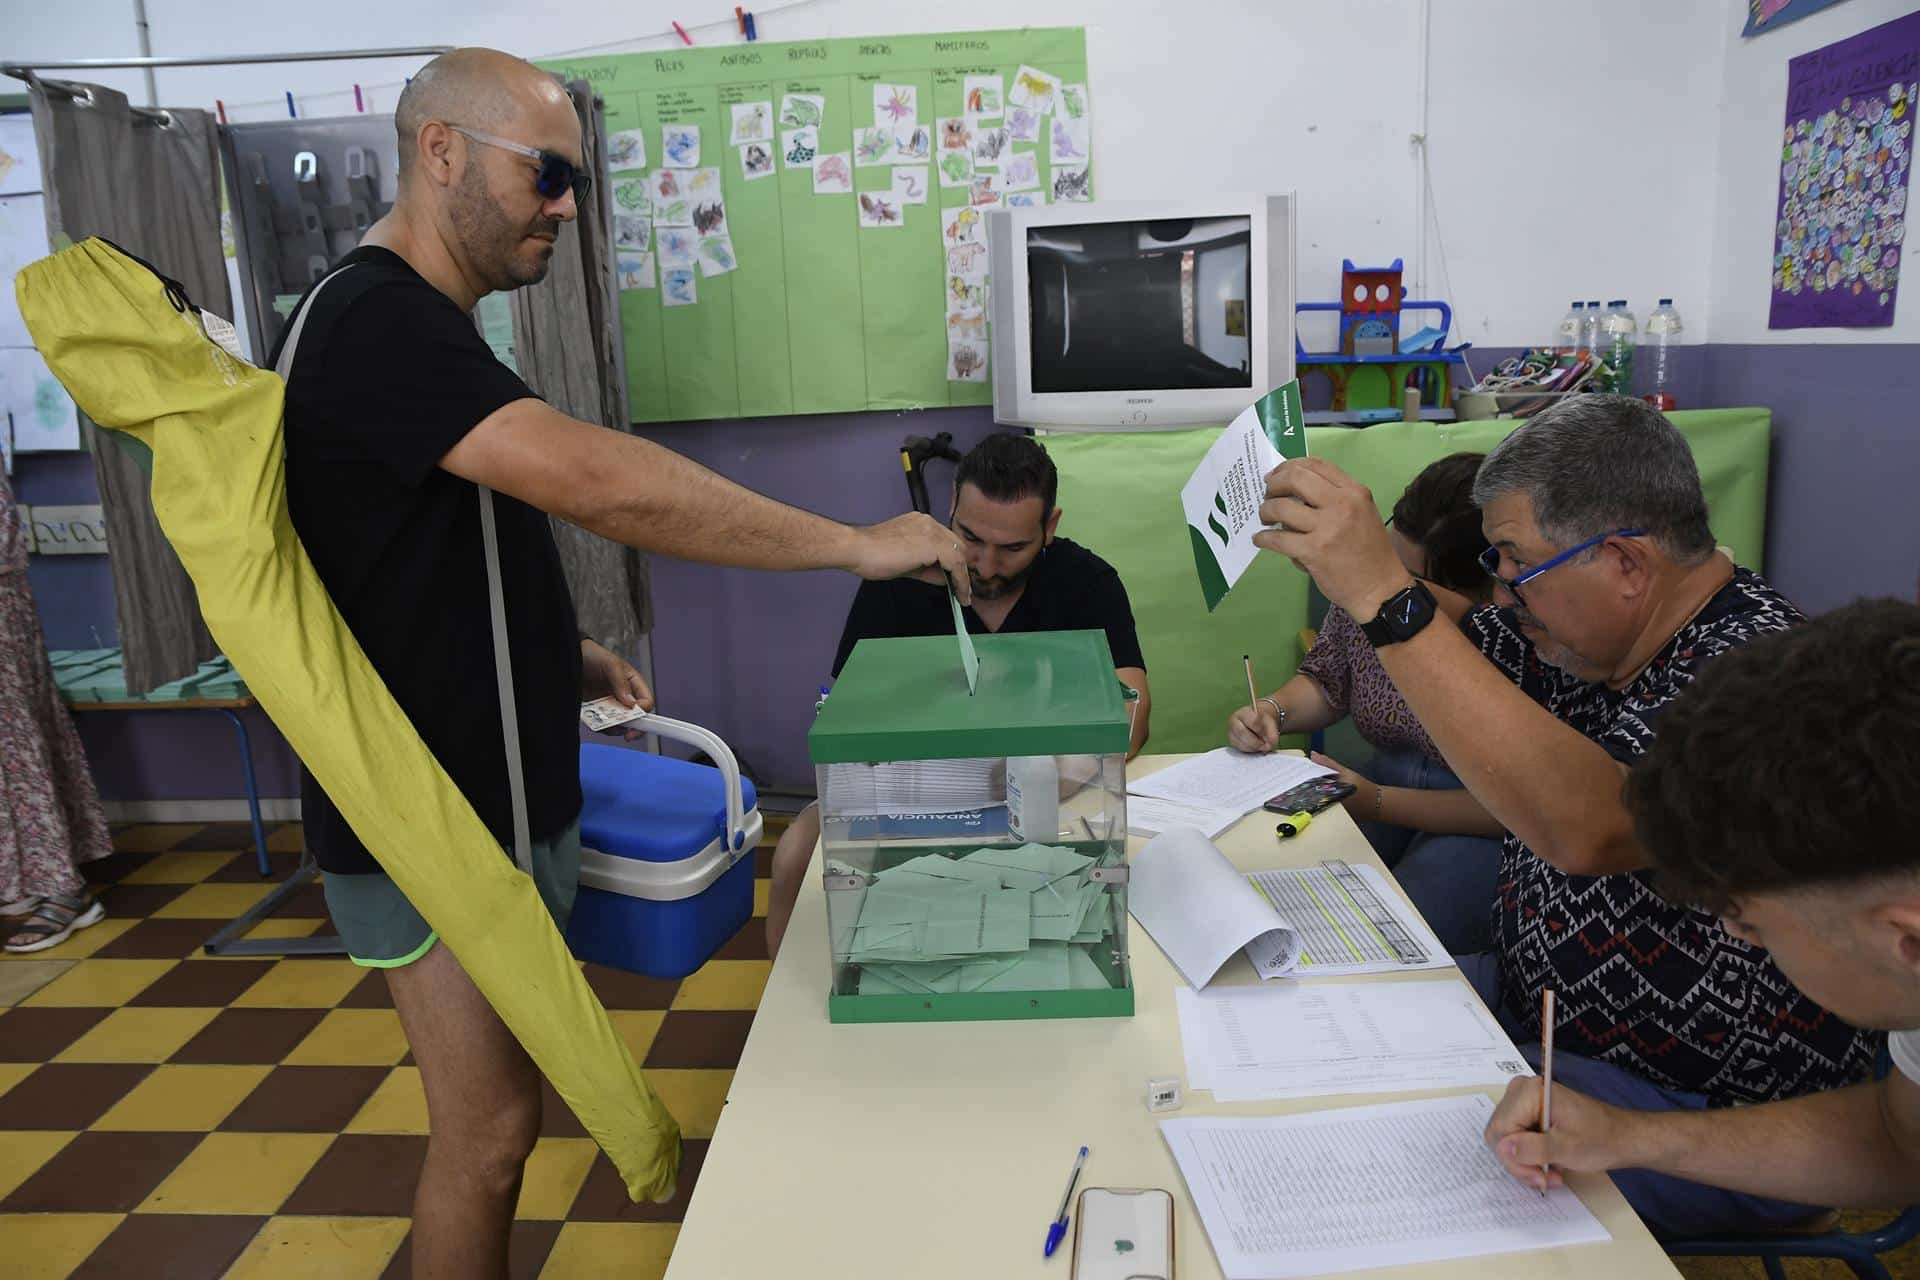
point(662, 886)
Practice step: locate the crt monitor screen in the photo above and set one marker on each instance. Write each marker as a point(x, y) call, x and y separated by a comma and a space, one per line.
point(1140, 306)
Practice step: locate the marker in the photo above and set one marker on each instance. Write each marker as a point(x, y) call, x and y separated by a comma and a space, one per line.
point(1058, 1228)
point(1546, 1069)
point(1292, 825)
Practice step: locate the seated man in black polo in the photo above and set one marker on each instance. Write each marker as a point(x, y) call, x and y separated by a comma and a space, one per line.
point(1024, 579)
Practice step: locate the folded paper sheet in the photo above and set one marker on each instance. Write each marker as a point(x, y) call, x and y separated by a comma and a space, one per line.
point(141, 365)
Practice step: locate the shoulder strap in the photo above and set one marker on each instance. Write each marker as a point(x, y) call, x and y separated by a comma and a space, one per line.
point(502, 658)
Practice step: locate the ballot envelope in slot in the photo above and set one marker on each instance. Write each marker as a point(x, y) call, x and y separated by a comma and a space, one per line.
point(973, 845)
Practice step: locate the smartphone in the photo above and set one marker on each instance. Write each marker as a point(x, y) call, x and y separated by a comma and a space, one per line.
point(1310, 796)
point(1123, 1233)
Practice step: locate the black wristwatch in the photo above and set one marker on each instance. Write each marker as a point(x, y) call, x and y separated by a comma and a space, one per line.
point(1402, 617)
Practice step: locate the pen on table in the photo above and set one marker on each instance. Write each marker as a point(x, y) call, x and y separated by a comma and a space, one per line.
point(1058, 1227)
point(1546, 1069)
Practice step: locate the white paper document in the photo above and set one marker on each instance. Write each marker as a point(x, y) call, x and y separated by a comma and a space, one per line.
point(1380, 1186)
point(1198, 907)
point(917, 786)
point(1307, 1040)
point(1227, 779)
point(1149, 816)
point(1222, 498)
point(608, 713)
point(1342, 932)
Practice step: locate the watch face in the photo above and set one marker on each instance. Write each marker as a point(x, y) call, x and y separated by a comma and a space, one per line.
point(1405, 609)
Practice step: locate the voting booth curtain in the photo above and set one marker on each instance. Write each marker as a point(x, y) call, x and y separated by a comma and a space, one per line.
point(148, 181)
point(566, 338)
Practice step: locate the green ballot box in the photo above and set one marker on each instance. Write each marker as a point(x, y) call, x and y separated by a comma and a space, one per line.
point(974, 845)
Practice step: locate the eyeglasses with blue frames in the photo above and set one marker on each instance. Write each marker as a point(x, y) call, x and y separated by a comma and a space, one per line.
point(1490, 561)
point(556, 176)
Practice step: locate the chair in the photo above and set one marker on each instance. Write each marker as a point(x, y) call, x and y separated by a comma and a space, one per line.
point(1860, 1250)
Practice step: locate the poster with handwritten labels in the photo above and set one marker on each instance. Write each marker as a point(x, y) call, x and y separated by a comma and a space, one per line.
point(855, 278)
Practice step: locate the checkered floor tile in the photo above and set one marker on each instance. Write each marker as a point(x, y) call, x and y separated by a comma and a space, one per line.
point(167, 1113)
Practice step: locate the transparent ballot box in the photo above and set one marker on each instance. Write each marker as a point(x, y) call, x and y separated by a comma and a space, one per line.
point(974, 845)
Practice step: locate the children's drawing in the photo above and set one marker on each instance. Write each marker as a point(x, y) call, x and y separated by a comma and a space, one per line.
point(833, 174)
point(800, 146)
point(1021, 172)
point(989, 146)
point(965, 295)
point(709, 218)
point(984, 97)
point(984, 190)
point(802, 110)
point(910, 184)
point(756, 160)
point(1073, 101)
point(752, 122)
point(966, 362)
point(879, 209)
point(956, 168)
point(872, 146)
point(626, 149)
point(680, 146)
point(1033, 88)
point(632, 194)
point(967, 323)
point(914, 142)
point(704, 184)
point(679, 287)
point(1023, 124)
point(636, 271)
point(716, 256)
point(679, 247)
point(963, 226)
point(1069, 141)
point(1071, 185)
point(665, 184)
point(967, 261)
point(1025, 199)
point(632, 231)
point(955, 134)
point(895, 104)
point(674, 211)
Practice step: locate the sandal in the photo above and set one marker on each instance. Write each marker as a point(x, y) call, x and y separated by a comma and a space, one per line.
point(20, 906)
point(54, 919)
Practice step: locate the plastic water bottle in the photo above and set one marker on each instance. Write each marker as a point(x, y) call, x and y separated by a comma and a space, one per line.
point(1567, 340)
point(1663, 334)
point(1033, 797)
point(1590, 329)
point(1617, 346)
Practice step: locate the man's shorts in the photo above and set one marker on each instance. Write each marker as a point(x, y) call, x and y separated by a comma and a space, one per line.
point(382, 930)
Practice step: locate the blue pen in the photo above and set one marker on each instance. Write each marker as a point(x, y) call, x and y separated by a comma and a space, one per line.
point(1057, 1230)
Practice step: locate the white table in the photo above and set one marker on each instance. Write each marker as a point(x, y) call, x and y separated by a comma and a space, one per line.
point(928, 1150)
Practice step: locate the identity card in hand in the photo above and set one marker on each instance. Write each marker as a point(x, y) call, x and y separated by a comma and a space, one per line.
point(607, 713)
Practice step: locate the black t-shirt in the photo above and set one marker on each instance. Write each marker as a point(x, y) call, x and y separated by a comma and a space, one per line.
point(390, 374)
point(1071, 589)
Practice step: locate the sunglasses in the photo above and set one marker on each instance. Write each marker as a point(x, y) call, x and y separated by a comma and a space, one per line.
point(556, 176)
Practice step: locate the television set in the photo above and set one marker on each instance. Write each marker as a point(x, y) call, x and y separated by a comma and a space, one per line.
point(1123, 316)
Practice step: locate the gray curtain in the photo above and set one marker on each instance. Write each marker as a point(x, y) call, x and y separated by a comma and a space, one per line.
point(152, 186)
point(566, 338)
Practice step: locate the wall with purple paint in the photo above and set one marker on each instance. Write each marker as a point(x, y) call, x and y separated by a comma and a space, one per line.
point(745, 653)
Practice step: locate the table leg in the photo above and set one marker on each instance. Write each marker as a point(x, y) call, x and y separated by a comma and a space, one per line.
point(253, 791)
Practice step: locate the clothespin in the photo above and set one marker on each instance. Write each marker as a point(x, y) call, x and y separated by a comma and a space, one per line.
point(753, 32)
point(740, 17)
point(220, 108)
point(291, 113)
point(683, 33)
point(359, 103)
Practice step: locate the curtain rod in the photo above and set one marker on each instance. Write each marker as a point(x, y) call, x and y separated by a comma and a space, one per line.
point(15, 69)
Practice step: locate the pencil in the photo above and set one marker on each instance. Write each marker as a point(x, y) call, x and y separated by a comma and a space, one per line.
point(1546, 1068)
point(1253, 695)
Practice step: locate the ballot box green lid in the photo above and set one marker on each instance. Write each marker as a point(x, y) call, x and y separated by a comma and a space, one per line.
point(1039, 693)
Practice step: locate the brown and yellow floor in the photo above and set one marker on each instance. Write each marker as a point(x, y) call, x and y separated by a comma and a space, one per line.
point(164, 1114)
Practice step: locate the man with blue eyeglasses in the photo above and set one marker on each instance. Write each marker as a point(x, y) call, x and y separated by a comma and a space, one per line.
point(1610, 598)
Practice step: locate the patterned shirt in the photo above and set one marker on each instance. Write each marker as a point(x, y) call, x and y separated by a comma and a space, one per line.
point(1349, 673)
point(13, 533)
point(1658, 989)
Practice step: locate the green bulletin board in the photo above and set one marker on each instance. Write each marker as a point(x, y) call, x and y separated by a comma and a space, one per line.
point(821, 314)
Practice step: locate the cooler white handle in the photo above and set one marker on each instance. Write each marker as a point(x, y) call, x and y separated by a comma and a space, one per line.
point(721, 754)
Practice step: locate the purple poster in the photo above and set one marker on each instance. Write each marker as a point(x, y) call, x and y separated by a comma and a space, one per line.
point(1844, 160)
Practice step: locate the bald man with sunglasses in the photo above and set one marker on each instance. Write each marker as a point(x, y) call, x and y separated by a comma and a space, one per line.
point(396, 413)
